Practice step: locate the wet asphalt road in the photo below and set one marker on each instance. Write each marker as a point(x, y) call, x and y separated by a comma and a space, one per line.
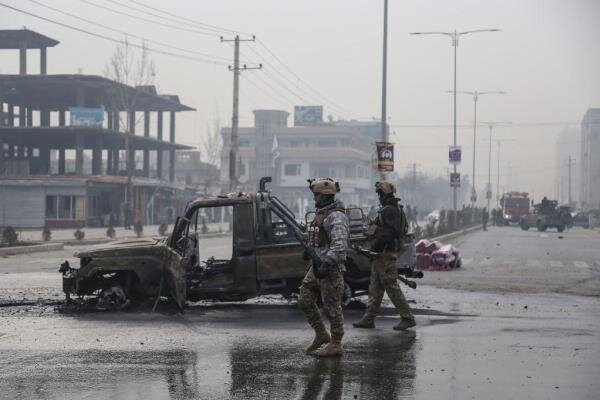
point(482, 344)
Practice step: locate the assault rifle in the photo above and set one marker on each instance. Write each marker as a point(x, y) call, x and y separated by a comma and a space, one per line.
point(406, 271)
point(318, 269)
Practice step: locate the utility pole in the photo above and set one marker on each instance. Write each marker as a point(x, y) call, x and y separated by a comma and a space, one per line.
point(236, 69)
point(488, 194)
point(498, 143)
point(384, 136)
point(571, 162)
point(475, 94)
point(413, 181)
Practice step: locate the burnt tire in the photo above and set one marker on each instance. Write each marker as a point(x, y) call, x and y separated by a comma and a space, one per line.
point(524, 226)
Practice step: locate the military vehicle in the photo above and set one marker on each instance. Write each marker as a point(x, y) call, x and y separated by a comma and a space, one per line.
point(258, 255)
point(546, 215)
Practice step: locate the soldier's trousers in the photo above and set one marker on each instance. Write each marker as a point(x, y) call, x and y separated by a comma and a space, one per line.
point(384, 278)
point(332, 289)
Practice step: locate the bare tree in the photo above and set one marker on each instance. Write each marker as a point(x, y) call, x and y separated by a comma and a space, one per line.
point(131, 69)
point(212, 145)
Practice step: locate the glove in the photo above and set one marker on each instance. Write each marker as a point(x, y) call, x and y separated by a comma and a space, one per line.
point(305, 255)
point(321, 269)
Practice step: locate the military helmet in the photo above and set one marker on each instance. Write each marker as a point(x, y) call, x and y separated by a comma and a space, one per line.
point(386, 187)
point(324, 186)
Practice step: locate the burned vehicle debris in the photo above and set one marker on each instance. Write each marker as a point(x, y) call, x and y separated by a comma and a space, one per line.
point(259, 254)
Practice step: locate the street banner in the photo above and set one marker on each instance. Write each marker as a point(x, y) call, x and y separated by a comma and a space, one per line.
point(83, 116)
point(385, 156)
point(454, 179)
point(455, 155)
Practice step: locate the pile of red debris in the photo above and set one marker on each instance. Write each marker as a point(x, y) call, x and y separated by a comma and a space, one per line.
point(434, 256)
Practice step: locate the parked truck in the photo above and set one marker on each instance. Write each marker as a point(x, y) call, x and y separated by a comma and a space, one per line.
point(259, 254)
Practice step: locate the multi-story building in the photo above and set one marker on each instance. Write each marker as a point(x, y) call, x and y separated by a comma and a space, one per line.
point(80, 120)
point(291, 155)
point(590, 160)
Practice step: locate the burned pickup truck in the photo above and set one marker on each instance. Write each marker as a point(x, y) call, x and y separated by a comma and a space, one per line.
point(257, 253)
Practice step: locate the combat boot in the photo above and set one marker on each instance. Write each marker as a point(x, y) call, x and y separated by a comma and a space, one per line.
point(364, 322)
point(404, 324)
point(333, 348)
point(321, 337)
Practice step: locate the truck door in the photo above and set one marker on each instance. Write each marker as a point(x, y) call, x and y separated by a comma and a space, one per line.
point(225, 253)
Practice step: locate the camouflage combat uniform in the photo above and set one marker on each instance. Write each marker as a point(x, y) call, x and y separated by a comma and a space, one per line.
point(328, 234)
point(384, 277)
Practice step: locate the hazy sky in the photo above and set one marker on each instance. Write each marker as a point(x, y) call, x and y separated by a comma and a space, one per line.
point(547, 58)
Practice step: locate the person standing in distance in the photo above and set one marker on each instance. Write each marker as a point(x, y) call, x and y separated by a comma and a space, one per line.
point(328, 234)
point(388, 232)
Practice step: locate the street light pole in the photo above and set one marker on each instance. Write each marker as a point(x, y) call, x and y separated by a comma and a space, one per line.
point(454, 35)
point(475, 94)
point(384, 80)
point(488, 193)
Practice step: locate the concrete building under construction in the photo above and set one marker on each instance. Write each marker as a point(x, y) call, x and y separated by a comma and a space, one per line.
point(64, 140)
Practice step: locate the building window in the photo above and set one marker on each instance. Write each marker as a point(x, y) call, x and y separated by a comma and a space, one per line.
point(64, 207)
point(291, 169)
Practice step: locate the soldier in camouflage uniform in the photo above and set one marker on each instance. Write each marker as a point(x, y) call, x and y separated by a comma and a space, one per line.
point(389, 230)
point(328, 235)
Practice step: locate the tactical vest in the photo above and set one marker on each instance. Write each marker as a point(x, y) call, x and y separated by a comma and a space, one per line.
point(317, 235)
point(375, 228)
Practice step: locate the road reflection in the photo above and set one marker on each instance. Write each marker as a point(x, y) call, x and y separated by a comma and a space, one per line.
point(98, 374)
point(378, 366)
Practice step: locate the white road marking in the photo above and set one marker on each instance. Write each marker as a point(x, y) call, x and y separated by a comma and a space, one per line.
point(581, 264)
point(556, 264)
point(543, 235)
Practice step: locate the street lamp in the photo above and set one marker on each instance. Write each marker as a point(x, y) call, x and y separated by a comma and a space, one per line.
point(488, 190)
point(475, 96)
point(455, 36)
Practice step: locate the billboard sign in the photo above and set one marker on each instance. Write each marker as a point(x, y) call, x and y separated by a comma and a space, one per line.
point(385, 156)
point(455, 155)
point(83, 116)
point(308, 115)
point(454, 179)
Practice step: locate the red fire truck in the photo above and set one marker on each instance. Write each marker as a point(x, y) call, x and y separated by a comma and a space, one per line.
point(514, 206)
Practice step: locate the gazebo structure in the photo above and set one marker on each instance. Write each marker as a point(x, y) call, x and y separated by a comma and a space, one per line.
point(44, 118)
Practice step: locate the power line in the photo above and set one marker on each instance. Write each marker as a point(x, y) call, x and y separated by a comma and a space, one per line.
point(260, 42)
point(214, 28)
point(127, 33)
point(111, 39)
point(179, 28)
point(284, 86)
point(225, 30)
point(118, 3)
point(297, 86)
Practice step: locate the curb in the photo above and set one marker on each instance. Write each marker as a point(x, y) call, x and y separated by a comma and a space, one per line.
point(11, 251)
point(449, 236)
